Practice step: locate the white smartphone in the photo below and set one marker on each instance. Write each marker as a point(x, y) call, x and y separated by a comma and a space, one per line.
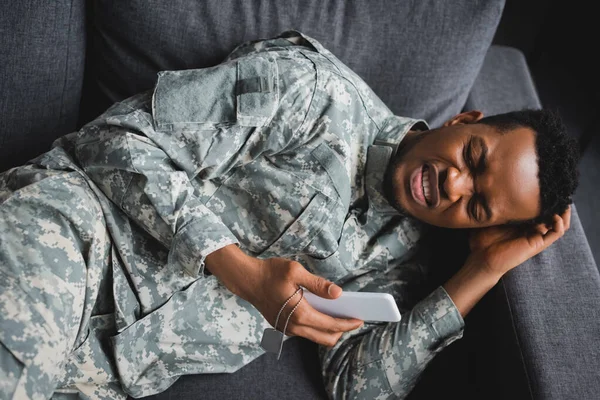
point(367, 306)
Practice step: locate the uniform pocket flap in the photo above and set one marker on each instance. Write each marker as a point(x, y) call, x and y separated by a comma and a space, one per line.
point(299, 234)
point(334, 167)
point(257, 94)
point(237, 92)
point(195, 97)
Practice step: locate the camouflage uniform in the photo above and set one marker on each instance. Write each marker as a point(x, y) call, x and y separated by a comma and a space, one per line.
point(282, 150)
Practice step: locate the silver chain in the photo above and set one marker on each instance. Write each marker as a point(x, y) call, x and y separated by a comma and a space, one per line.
point(285, 304)
point(289, 316)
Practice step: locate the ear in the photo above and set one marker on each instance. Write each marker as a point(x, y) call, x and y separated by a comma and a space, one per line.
point(468, 117)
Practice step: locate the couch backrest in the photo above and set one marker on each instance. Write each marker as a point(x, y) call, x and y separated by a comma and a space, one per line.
point(42, 50)
point(420, 56)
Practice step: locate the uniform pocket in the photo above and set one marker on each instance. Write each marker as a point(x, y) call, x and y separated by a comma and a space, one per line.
point(334, 166)
point(242, 92)
point(331, 268)
point(89, 362)
point(256, 91)
point(299, 234)
point(11, 370)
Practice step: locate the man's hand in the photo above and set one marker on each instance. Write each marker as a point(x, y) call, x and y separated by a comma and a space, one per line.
point(267, 284)
point(501, 248)
point(494, 252)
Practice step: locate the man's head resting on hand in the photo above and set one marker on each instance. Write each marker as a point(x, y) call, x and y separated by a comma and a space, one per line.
point(518, 167)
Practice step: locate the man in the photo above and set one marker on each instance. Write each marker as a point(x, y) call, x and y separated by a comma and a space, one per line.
point(164, 236)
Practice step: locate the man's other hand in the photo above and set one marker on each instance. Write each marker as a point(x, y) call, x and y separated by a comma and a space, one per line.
point(501, 248)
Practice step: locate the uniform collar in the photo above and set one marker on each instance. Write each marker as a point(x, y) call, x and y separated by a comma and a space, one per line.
point(381, 153)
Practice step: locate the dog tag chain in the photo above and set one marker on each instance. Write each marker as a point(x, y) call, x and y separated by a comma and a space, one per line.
point(272, 340)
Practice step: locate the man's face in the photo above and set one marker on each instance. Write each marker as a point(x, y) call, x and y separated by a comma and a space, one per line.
point(466, 175)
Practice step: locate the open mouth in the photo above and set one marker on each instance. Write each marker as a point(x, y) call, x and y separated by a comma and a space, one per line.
point(423, 185)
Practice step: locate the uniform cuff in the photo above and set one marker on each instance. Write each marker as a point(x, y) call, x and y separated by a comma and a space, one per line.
point(197, 240)
point(440, 315)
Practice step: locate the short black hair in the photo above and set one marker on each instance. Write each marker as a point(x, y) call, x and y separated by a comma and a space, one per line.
point(557, 155)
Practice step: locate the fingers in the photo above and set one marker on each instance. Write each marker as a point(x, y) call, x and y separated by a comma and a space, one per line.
point(567, 218)
point(558, 229)
point(561, 223)
point(318, 327)
point(317, 336)
point(306, 315)
point(542, 236)
point(305, 320)
point(313, 318)
point(326, 335)
point(542, 229)
point(314, 283)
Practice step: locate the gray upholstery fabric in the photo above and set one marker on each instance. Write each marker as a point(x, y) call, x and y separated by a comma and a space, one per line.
point(554, 300)
point(296, 376)
point(546, 311)
point(42, 51)
point(504, 84)
point(421, 57)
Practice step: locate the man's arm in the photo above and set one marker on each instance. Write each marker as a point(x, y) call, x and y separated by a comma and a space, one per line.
point(387, 361)
point(143, 153)
point(141, 180)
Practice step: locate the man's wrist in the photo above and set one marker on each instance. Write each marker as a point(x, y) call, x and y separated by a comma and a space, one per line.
point(219, 260)
point(231, 266)
point(484, 270)
point(469, 285)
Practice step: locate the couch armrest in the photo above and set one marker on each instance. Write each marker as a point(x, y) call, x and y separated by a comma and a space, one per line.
point(553, 300)
point(504, 83)
point(554, 304)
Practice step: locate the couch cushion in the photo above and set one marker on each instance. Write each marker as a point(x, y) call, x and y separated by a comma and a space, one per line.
point(43, 50)
point(421, 57)
point(295, 376)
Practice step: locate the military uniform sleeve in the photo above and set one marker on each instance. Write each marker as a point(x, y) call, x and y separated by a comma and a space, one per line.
point(159, 156)
point(142, 180)
point(386, 361)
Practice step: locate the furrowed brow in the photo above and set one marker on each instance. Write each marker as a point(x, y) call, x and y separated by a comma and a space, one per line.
point(482, 163)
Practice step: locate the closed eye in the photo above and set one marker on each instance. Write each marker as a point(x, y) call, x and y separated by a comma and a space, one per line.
point(468, 155)
point(477, 167)
point(481, 165)
point(473, 209)
point(468, 160)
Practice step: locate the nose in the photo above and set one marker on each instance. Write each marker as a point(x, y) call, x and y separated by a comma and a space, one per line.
point(457, 184)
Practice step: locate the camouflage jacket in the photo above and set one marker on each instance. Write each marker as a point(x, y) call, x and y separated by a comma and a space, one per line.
point(281, 149)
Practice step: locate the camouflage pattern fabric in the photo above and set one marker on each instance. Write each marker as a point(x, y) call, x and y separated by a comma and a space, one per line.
point(282, 150)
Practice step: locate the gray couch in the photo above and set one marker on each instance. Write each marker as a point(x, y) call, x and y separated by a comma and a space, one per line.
point(535, 335)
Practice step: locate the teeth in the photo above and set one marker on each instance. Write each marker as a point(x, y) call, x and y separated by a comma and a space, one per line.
point(426, 187)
